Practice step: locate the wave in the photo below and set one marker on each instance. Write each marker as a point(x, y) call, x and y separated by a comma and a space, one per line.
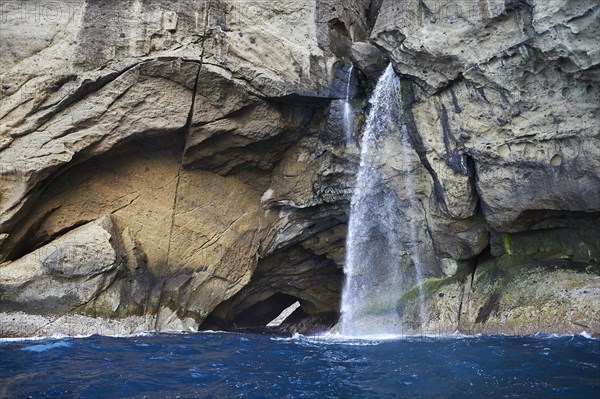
point(376, 339)
point(149, 333)
point(325, 338)
point(48, 346)
point(56, 337)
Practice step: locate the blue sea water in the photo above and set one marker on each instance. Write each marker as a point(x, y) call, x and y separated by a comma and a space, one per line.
point(229, 365)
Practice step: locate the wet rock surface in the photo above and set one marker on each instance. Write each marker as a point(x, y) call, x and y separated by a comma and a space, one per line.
point(174, 166)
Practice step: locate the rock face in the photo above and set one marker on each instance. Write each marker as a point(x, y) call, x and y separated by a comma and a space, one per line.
point(505, 118)
point(200, 130)
point(184, 165)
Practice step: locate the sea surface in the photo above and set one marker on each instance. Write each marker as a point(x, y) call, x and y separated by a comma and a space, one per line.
point(229, 365)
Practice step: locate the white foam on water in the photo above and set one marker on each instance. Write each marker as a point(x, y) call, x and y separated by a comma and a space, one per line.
point(336, 338)
point(47, 346)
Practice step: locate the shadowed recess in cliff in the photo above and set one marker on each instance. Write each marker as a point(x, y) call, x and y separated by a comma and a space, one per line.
point(102, 185)
point(255, 135)
point(289, 275)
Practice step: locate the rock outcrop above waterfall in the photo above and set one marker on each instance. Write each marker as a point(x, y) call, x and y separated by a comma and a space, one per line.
point(168, 165)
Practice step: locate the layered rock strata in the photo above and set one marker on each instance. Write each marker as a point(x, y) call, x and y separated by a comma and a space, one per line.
point(184, 165)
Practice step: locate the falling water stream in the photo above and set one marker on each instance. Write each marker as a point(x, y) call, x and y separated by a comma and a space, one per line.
point(375, 277)
point(348, 120)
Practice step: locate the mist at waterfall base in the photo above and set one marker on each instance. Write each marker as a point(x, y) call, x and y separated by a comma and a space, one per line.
point(229, 365)
point(380, 227)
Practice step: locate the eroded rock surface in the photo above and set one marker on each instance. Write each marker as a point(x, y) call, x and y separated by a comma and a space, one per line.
point(504, 115)
point(182, 165)
point(170, 120)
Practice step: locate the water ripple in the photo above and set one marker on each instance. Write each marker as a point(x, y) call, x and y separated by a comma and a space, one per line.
point(258, 366)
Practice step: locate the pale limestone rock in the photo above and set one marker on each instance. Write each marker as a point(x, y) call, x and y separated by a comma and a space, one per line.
point(20, 324)
point(199, 148)
point(198, 230)
point(101, 84)
point(368, 58)
point(137, 102)
point(507, 126)
point(76, 273)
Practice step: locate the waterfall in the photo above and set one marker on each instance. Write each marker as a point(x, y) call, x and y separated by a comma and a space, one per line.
point(348, 119)
point(380, 225)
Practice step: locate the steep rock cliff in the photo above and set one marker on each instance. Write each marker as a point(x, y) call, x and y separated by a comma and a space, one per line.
point(172, 120)
point(168, 165)
point(504, 113)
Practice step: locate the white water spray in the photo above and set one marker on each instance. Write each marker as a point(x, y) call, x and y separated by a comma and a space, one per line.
point(375, 278)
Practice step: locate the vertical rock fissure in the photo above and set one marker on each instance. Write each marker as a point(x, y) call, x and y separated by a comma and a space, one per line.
point(417, 142)
point(473, 178)
point(445, 130)
point(454, 159)
point(461, 298)
point(186, 133)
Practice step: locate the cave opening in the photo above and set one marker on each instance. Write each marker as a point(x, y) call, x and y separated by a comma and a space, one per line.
point(285, 315)
point(264, 312)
